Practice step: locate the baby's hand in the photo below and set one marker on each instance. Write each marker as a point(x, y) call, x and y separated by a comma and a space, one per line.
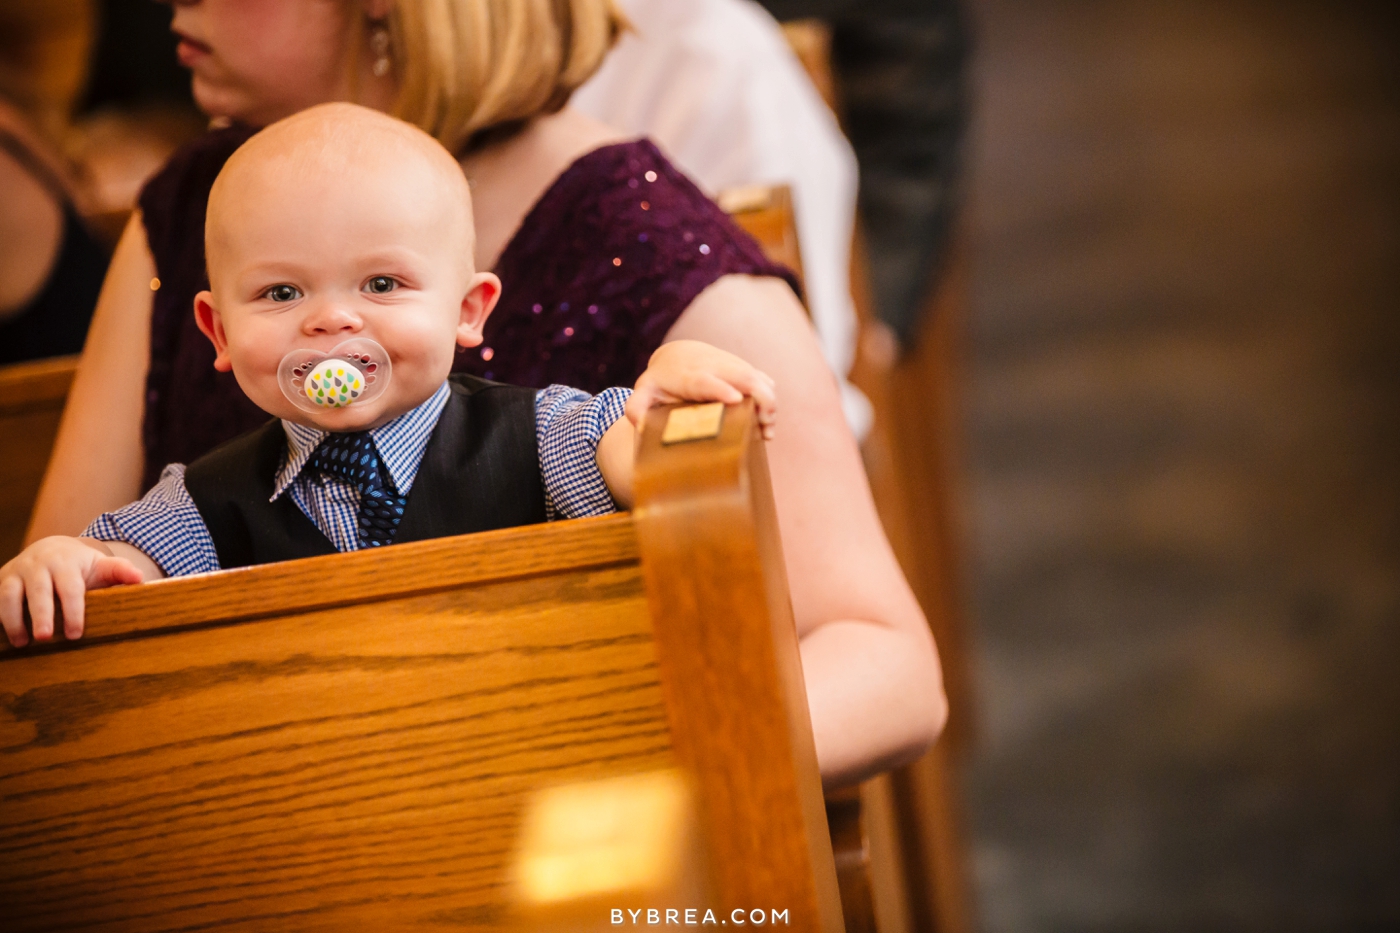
point(66, 566)
point(691, 371)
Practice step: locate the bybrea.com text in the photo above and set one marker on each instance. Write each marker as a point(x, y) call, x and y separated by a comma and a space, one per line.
point(694, 916)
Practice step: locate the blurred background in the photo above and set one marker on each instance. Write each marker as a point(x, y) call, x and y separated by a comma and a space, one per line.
point(1175, 444)
point(1182, 500)
point(98, 82)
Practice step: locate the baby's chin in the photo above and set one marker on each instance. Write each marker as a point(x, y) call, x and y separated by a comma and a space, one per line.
point(357, 416)
point(364, 417)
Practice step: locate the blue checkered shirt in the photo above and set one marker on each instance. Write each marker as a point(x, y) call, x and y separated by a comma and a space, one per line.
point(166, 525)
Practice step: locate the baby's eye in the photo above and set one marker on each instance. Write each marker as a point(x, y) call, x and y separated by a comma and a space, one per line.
point(283, 293)
point(381, 285)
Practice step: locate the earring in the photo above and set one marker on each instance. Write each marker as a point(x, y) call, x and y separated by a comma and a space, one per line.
point(379, 45)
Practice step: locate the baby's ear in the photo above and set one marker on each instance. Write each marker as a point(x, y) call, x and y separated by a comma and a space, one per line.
point(211, 323)
point(477, 305)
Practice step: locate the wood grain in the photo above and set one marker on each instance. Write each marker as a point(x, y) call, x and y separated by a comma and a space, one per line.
point(31, 402)
point(321, 770)
point(731, 672)
point(343, 579)
point(347, 742)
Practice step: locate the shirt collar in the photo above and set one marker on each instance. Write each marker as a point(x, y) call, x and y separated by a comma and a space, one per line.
point(401, 444)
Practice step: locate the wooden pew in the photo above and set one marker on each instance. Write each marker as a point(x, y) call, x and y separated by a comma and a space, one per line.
point(903, 841)
point(765, 213)
point(31, 402)
point(345, 742)
point(910, 458)
point(588, 846)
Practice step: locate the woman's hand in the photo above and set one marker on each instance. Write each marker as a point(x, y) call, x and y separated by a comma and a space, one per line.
point(62, 567)
point(692, 371)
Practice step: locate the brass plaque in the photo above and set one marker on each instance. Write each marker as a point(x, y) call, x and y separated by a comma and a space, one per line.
point(693, 423)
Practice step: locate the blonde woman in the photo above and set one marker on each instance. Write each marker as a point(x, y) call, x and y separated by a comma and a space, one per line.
point(605, 252)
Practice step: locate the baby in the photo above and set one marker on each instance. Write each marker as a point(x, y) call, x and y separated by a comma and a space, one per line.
point(340, 251)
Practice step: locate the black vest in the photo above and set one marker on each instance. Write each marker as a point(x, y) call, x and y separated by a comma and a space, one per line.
point(481, 470)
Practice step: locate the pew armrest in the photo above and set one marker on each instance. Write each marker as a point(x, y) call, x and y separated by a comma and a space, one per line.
point(717, 588)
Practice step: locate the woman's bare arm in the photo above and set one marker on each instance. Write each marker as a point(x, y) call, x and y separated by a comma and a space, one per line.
point(874, 684)
point(31, 230)
point(97, 459)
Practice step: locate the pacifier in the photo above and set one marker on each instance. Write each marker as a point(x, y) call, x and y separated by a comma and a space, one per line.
point(355, 371)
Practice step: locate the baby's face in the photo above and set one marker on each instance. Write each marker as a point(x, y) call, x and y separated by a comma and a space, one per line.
point(308, 260)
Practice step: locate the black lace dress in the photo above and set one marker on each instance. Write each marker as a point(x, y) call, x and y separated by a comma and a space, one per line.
point(55, 321)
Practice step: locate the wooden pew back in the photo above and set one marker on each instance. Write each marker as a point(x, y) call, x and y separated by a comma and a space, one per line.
point(765, 213)
point(345, 742)
point(31, 401)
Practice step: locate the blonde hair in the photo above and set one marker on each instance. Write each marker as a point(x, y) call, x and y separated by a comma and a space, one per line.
point(468, 68)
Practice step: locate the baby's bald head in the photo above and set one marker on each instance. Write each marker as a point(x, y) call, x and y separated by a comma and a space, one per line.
point(325, 157)
point(342, 223)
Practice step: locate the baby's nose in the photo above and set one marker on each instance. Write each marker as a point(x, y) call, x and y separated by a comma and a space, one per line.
point(332, 318)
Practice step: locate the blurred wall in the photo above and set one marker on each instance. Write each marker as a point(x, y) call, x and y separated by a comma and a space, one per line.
point(1183, 436)
point(900, 68)
point(44, 50)
point(133, 60)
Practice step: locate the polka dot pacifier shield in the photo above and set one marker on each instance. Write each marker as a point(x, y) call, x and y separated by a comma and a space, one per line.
point(333, 384)
point(356, 371)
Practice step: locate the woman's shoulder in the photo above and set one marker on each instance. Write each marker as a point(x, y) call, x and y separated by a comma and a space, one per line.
point(617, 189)
point(178, 194)
point(601, 267)
point(625, 213)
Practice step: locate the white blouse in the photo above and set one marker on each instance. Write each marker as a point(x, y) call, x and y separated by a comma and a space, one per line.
point(715, 85)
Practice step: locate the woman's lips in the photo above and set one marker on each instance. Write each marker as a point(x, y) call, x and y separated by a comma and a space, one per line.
point(190, 51)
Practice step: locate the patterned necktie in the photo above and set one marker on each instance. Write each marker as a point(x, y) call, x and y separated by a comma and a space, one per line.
point(353, 458)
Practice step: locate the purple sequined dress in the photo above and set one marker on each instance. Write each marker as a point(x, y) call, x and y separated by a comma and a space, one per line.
point(601, 267)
